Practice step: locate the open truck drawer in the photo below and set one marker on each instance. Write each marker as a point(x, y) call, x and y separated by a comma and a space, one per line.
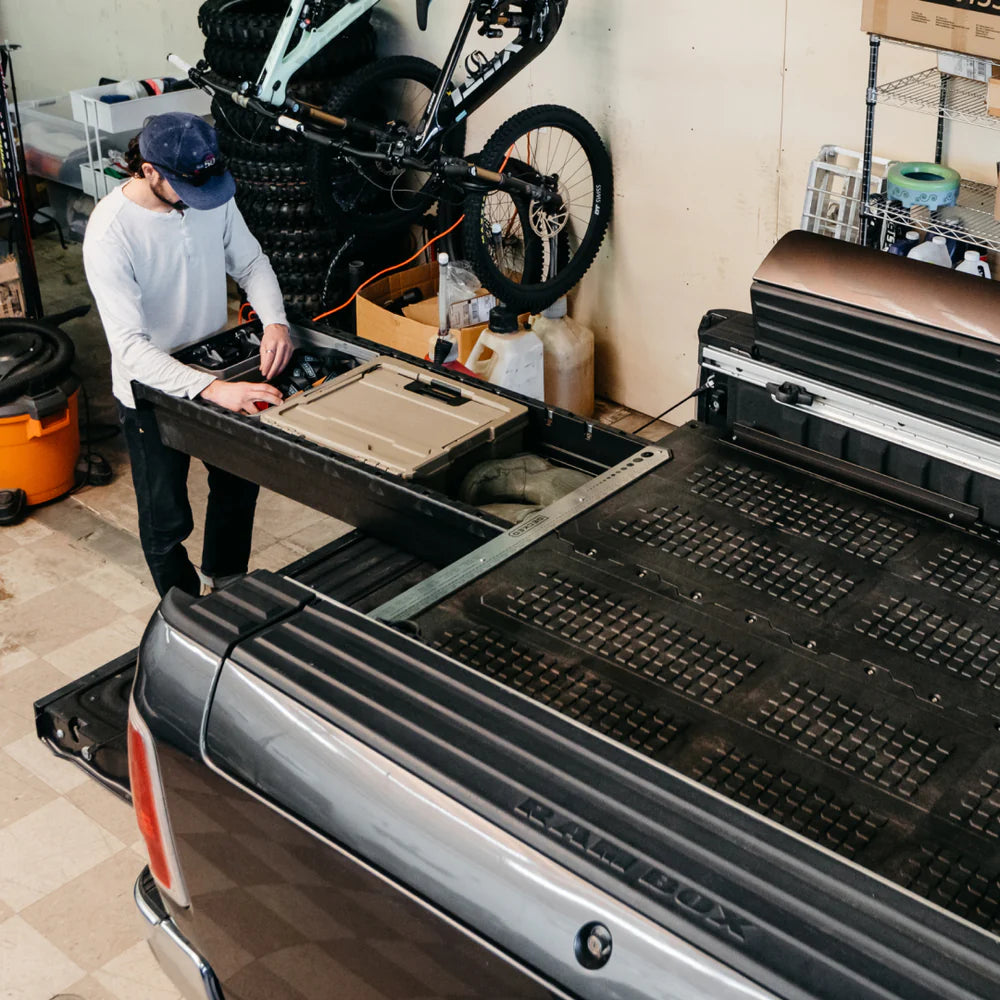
point(384, 505)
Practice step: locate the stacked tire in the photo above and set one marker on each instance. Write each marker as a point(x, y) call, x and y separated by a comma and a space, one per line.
point(271, 166)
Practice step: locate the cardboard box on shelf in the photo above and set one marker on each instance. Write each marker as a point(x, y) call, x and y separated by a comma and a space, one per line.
point(993, 93)
point(952, 25)
point(957, 64)
point(411, 332)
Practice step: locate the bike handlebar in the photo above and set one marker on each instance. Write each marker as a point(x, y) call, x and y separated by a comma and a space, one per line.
point(455, 168)
point(176, 60)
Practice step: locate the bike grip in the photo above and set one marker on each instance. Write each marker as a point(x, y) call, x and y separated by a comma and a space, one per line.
point(176, 60)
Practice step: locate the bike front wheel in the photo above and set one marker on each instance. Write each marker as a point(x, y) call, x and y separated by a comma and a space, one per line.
point(527, 253)
point(367, 195)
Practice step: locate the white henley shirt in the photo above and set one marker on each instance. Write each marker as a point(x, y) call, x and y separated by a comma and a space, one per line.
point(159, 281)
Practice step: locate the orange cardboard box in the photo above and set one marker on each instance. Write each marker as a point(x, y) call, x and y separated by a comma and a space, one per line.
point(954, 25)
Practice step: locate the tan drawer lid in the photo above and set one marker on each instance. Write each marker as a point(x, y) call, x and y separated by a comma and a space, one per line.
point(397, 417)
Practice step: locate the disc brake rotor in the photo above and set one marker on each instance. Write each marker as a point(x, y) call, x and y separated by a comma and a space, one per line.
point(549, 220)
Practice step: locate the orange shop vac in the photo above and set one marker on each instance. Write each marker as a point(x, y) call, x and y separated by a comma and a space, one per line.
point(39, 426)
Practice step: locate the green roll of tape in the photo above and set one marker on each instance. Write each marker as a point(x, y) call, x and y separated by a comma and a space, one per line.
point(927, 184)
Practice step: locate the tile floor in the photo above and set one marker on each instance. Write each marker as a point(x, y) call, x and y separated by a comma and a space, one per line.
point(74, 593)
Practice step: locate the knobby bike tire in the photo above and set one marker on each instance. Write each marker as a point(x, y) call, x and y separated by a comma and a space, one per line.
point(279, 191)
point(263, 211)
point(249, 23)
point(356, 192)
point(265, 171)
point(343, 55)
point(291, 152)
point(375, 252)
point(280, 240)
point(292, 261)
point(296, 282)
point(303, 306)
point(530, 290)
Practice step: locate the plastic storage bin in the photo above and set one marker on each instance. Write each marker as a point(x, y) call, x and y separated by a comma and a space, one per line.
point(402, 419)
point(126, 117)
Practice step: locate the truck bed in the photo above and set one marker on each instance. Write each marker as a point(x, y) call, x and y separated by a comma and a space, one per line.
point(723, 630)
point(828, 660)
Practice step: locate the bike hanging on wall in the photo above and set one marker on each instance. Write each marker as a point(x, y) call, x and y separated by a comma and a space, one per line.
point(389, 141)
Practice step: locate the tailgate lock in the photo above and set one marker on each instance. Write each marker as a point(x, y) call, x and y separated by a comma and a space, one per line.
point(593, 946)
point(789, 392)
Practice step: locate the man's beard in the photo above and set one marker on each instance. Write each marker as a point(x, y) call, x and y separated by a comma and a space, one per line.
point(154, 186)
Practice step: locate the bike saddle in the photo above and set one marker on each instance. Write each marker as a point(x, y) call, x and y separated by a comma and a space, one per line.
point(422, 6)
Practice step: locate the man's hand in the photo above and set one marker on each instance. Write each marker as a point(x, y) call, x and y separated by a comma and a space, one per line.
point(275, 350)
point(240, 396)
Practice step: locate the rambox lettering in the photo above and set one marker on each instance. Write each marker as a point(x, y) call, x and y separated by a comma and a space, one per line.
point(667, 889)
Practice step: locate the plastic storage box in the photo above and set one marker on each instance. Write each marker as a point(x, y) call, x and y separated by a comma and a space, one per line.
point(123, 116)
point(402, 419)
point(129, 116)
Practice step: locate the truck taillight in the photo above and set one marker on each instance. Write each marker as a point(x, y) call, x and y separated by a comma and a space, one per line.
point(150, 808)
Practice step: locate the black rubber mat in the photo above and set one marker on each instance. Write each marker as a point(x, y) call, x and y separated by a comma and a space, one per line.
point(824, 658)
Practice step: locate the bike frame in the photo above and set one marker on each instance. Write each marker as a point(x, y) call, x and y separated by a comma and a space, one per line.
point(537, 21)
point(488, 77)
point(282, 61)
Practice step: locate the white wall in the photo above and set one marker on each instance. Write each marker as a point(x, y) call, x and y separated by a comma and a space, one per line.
point(69, 44)
point(712, 112)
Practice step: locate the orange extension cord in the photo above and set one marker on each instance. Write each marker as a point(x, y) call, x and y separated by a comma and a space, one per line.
point(395, 267)
point(247, 313)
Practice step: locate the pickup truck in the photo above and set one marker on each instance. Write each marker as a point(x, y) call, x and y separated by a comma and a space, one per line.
point(721, 723)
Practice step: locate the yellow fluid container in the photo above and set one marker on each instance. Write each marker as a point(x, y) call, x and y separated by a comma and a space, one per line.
point(569, 359)
point(38, 454)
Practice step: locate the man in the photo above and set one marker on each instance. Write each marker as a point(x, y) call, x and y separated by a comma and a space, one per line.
point(156, 253)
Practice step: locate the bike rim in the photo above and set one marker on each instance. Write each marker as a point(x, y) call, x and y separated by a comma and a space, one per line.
point(529, 234)
point(403, 101)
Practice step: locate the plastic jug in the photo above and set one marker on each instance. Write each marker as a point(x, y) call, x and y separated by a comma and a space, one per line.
point(569, 359)
point(974, 264)
point(933, 251)
point(508, 356)
point(905, 244)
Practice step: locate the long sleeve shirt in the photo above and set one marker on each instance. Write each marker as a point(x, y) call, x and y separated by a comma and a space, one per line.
point(159, 281)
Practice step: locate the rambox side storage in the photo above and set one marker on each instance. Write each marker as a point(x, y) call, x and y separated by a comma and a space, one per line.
point(865, 359)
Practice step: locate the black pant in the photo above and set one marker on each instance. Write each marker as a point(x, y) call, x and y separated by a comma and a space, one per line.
point(159, 475)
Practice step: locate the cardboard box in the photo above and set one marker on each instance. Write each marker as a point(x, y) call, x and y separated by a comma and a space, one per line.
point(11, 291)
point(413, 331)
point(969, 67)
point(993, 94)
point(954, 25)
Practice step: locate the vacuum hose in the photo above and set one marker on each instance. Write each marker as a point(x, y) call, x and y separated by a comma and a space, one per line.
point(44, 369)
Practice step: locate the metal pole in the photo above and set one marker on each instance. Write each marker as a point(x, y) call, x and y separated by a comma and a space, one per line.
point(942, 104)
point(15, 183)
point(871, 99)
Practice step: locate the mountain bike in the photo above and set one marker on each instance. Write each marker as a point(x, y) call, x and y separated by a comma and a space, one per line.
point(388, 143)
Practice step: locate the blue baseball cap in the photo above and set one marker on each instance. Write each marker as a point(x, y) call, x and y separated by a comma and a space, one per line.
point(185, 150)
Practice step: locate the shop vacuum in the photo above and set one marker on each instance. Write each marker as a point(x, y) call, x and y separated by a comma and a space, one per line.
point(39, 427)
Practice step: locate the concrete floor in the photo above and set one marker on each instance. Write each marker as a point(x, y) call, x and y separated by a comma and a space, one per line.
point(74, 593)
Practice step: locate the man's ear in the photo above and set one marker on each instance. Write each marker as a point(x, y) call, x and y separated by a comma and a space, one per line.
point(149, 172)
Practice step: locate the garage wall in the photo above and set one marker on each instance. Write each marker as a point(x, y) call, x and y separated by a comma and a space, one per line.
point(69, 44)
point(712, 112)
